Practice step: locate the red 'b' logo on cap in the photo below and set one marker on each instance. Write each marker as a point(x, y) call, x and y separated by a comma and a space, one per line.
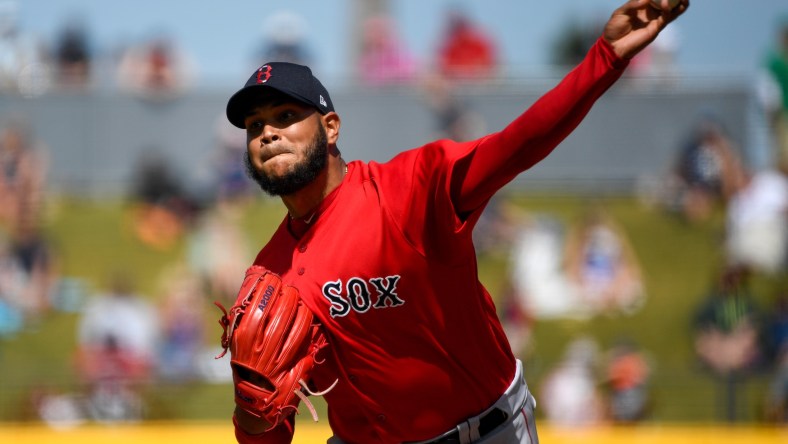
point(263, 74)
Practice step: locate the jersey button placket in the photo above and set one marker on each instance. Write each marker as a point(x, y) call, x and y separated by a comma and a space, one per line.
point(301, 249)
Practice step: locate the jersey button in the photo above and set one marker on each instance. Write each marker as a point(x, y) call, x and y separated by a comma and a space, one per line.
point(301, 271)
point(302, 248)
point(381, 418)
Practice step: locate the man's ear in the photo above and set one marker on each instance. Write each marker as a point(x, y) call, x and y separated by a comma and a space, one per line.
point(332, 122)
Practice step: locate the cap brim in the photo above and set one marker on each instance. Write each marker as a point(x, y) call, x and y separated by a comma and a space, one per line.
point(247, 97)
point(240, 103)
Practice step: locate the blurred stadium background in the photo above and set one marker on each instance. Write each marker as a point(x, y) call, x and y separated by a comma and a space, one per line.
point(124, 207)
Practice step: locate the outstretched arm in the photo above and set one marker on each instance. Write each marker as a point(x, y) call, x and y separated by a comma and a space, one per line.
point(500, 157)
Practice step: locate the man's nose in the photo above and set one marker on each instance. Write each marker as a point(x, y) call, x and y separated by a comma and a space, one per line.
point(269, 134)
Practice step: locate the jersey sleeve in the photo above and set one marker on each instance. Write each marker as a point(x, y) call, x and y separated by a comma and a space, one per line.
point(282, 434)
point(414, 187)
point(436, 193)
point(500, 157)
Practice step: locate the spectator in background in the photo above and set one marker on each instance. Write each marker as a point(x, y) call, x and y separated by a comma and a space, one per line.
point(727, 324)
point(14, 54)
point(23, 171)
point(570, 396)
point(454, 118)
point(229, 178)
point(117, 339)
point(72, 57)
point(284, 39)
point(156, 69)
point(602, 265)
point(24, 67)
point(727, 333)
point(29, 274)
point(628, 374)
point(217, 247)
point(575, 39)
point(162, 208)
point(776, 402)
point(182, 308)
point(656, 66)
point(384, 59)
point(707, 172)
point(465, 51)
point(537, 273)
point(756, 230)
point(777, 109)
point(285, 32)
point(35, 266)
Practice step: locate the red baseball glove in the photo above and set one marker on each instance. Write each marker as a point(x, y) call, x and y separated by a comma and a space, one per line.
point(273, 340)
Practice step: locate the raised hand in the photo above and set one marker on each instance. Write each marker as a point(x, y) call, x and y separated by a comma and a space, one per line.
point(637, 23)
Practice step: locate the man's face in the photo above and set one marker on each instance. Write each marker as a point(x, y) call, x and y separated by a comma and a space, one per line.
point(287, 146)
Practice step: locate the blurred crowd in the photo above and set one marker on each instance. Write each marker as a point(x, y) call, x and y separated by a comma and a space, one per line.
point(573, 270)
point(580, 269)
point(154, 66)
point(126, 341)
point(557, 269)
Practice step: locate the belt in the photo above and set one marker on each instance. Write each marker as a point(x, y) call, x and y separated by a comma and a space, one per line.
point(487, 423)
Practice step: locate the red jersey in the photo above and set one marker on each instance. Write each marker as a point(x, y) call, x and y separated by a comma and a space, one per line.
point(388, 266)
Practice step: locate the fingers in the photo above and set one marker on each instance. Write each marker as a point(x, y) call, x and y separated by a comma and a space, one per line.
point(632, 6)
point(647, 11)
point(668, 11)
point(637, 23)
point(670, 6)
point(680, 8)
point(663, 5)
point(671, 14)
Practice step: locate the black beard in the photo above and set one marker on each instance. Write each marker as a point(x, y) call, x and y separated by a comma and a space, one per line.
point(301, 174)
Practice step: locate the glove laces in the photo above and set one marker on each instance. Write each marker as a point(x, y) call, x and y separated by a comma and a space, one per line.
point(305, 399)
point(229, 321)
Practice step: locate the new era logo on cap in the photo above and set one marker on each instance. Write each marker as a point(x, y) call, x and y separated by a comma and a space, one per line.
point(291, 79)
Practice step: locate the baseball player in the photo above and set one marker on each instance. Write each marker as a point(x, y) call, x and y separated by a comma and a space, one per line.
point(382, 253)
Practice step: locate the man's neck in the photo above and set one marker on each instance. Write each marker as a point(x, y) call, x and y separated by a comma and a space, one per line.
point(303, 203)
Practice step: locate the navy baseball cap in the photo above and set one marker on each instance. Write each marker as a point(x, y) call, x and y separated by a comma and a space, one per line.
point(291, 79)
